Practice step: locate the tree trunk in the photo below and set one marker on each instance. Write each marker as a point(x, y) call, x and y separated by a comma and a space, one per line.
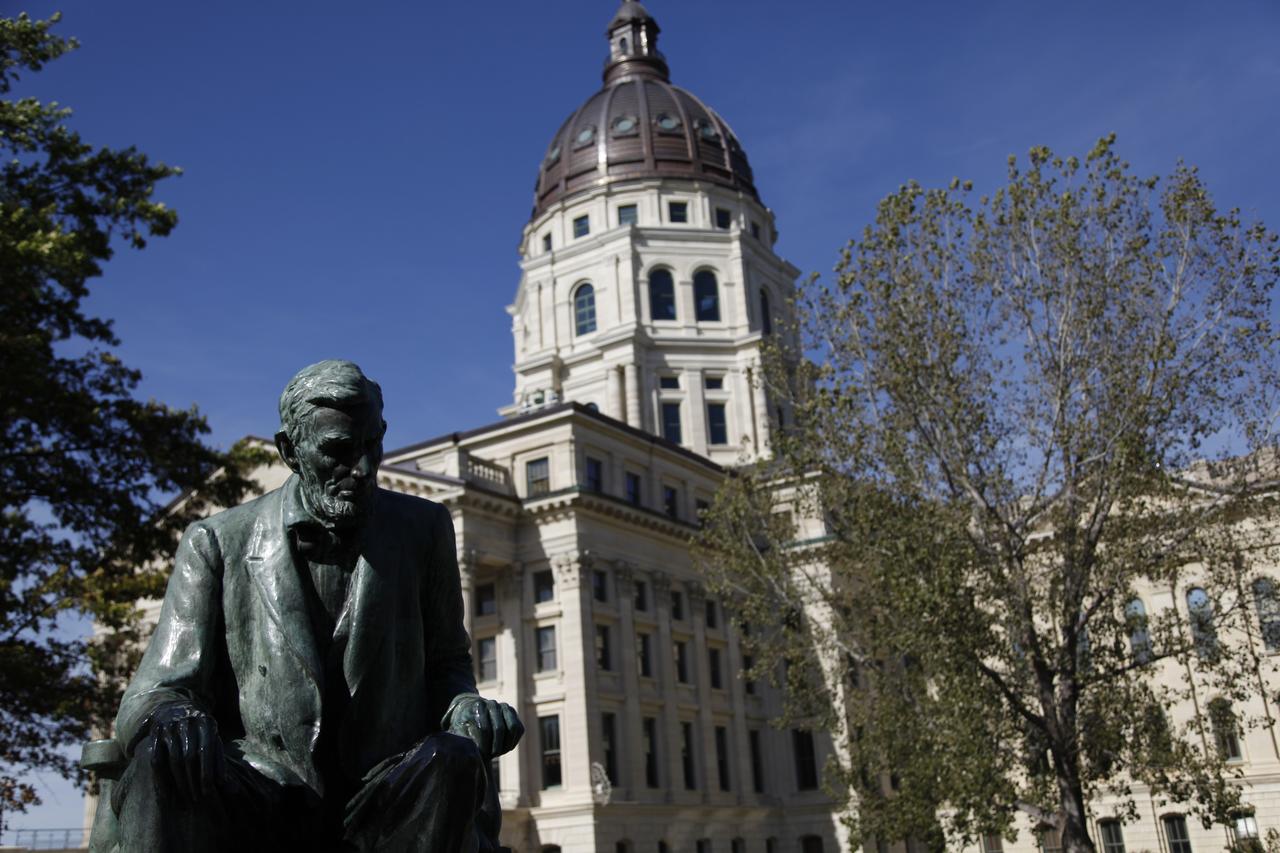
point(1075, 827)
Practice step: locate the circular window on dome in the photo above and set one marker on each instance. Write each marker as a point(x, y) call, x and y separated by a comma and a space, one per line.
point(625, 125)
point(708, 131)
point(667, 123)
point(585, 137)
point(554, 156)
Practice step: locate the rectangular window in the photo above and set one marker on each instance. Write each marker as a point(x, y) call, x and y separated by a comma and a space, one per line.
point(678, 211)
point(669, 382)
point(755, 230)
point(717, 425)
point(671, 422)
point(703, 845)
point(671, 501)
point(627, 214)
point(604, 654)
point(644, 655)
point(486, 658)
point(549, 728)
point(595, 475)
point(722, 757)
point(649, 740)
point(813, 844)
point(724, 219)
point(1112, 836)
point(686, 755)
point(546, 242)
point(544, 586)
point(677, 605)
point(642, 596)
point(806, 760)
point(992, 843)
point(713, 665)
point(700, 510)
point(546, 648)
point(748, 683)
point(537, 477)
point(757, 762)
point(1175, 831)
point(1049, 840)
point(713, 614)
point(682, 661)
point(486, 600)
point(609, 736)
point(599, 585)
point(714, 383)
point(581, 226)
point(633, 488)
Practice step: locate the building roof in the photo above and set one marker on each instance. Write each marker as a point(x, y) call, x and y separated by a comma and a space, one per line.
point(561, 408)
point(639, 125)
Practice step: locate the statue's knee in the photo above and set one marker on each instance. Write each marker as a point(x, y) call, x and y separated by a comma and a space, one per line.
point(458, 750)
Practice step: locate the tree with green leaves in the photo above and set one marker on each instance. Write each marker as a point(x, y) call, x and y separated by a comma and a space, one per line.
point(1018, 530)
point(84, 465)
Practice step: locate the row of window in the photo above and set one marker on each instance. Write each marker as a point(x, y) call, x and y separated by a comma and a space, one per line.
point(628, 214)
point(538, 473)
point(662, 301)
point(544, 589)
point(808, 844)
point(806, 763)
point(1244, 830)
point(1204, 634)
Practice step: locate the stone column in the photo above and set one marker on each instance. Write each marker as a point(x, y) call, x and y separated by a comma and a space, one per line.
point(615, 400)
point(740, 749)
point(579, 727)
point(665, 662)
point(634, 395)
point(702, 671)
point(514, 670)
point(629, 732)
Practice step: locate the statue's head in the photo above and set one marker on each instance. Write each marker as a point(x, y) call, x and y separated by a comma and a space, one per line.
point(330, 434)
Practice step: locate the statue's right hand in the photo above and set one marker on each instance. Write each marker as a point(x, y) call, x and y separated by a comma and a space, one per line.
point(186, 745)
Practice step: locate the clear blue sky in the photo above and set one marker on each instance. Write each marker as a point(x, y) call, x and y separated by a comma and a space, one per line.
point(357, 175)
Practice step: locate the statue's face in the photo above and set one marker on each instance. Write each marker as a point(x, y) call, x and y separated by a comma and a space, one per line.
point(337, 459)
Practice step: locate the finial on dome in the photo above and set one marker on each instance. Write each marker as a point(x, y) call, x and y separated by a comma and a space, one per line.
point(633, 45)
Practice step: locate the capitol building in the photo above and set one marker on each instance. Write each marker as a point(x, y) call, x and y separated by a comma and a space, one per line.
point(648, 285)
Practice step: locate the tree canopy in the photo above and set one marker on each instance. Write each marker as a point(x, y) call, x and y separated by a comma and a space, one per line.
point(1017, 529)
point(85, 467)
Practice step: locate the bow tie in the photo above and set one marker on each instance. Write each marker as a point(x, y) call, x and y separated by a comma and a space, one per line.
point(317, 542)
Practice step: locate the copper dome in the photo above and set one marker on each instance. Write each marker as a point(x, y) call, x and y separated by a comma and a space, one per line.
point(639, 126)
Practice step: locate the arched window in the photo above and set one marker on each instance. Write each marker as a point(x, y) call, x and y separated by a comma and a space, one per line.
point(1226, 731)
point(1264, 597)
point(706, 296)
point(766, 319)
point(1203, 633)
point(663, 848)
point(1135, 614)
point(624, 44)
point(551, 848)
point(584, 309)
point(662, 295)
point(622, 847)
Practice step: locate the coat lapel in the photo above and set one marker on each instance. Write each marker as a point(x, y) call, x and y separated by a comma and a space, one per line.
point(370, 609)
point(279, 588)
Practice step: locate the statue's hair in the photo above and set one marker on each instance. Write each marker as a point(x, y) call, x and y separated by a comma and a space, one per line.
point(331, 384)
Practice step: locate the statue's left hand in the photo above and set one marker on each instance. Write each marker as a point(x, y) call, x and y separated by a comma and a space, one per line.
point(493, 725)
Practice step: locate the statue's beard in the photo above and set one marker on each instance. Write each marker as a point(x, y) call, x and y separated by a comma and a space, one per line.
point(328, 503)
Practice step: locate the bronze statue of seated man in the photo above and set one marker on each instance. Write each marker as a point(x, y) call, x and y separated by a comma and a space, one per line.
point(309, 684)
